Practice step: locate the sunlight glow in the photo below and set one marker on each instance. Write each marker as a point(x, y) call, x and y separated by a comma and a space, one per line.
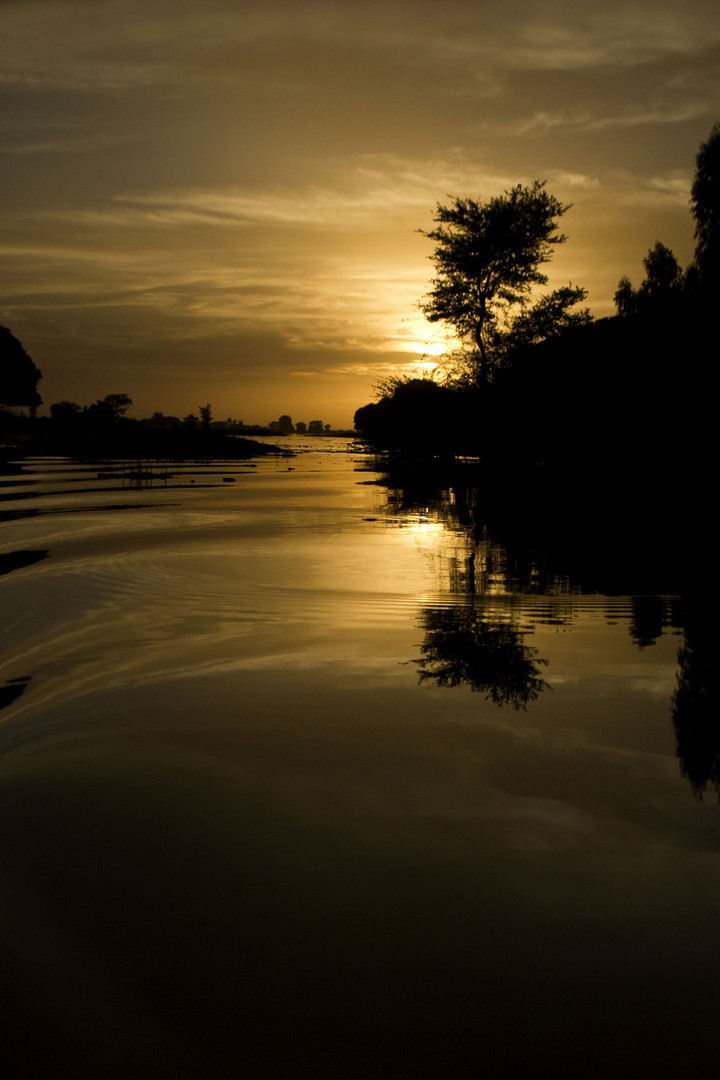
point(424, 348)
point(424, 366)
point(421, 525)
point(421, 339)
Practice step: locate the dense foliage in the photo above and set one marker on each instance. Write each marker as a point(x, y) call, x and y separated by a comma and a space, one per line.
point(18, 374)
point(488, 258)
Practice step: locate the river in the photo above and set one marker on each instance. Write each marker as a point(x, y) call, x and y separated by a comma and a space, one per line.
point(305, 774)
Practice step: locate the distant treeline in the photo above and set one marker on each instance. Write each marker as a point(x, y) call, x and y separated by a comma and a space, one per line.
point(284, 426)
point(102, 430)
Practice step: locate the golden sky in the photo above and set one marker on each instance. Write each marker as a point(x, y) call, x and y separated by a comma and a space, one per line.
point(219, 200)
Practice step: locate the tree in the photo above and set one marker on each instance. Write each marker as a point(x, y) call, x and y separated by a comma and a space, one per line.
point(18, 374)
point(116, 405)
point(705, 205)
point(315, 427)
point(64, 411)
point(488, 258)
point(65, 416)
point(545, 319)
point(105, 413)
point(663, 275)
point(205, 416)
point(418, 415)
point(283, 425)
point(662, 285)
point(626, 298)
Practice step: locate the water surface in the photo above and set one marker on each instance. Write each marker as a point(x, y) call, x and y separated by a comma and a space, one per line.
point(302, 776)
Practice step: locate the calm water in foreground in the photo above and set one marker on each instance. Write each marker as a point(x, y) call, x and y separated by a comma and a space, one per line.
point(299, 778)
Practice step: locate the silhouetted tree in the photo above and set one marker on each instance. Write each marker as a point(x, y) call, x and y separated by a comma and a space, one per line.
point(419, 415)
point(662, 272)
point(160, 422)
point(300, 427)
point(65, 412)
point(18, 374)
point(665, 283)
point(661, 290)
point(550, 316)
point(626, 298)
point(705, 205)
point(315, 427)
point(107, 412)
point(205, 416)
point(488, 258)
point(116, 405)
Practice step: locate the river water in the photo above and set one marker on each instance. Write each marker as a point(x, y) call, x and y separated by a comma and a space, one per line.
point(303, 775)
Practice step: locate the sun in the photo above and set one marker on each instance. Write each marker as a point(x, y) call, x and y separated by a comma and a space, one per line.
point(418, 338)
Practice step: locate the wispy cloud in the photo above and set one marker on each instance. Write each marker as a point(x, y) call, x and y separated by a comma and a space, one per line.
point(574, 37)
point(634, 115)
point(131, 44)
point(374, 188)
point(61, 144)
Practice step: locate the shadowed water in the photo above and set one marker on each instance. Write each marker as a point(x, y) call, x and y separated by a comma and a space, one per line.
point(305, 773)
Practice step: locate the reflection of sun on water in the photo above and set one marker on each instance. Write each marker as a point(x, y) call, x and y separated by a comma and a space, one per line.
point(417, 523)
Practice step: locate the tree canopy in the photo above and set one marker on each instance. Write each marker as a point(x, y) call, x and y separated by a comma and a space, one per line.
point(663, 283)
point(488, 258)
point(666, 287)
point(705, 205)
point(18, 374)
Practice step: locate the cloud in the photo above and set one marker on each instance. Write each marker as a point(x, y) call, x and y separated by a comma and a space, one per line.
point(576, 180)
point(62, 144)
point(570, 37)
point(634, 115)
point(178, 172)
point(371, 190)
point(120, 45)
point(332, 268)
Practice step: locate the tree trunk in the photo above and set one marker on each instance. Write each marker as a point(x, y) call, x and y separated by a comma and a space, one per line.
point(482, 350)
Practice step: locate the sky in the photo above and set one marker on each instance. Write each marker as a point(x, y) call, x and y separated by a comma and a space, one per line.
point(221, 201)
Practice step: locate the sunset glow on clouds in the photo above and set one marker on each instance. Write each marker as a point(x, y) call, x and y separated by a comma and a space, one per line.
point(222, 201)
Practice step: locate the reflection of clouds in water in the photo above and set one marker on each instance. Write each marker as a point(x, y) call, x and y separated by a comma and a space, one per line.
point(140, 636)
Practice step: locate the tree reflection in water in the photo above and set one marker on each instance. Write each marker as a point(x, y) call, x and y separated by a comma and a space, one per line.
point(463, 647)
point(695, 704)
point(533, 544)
